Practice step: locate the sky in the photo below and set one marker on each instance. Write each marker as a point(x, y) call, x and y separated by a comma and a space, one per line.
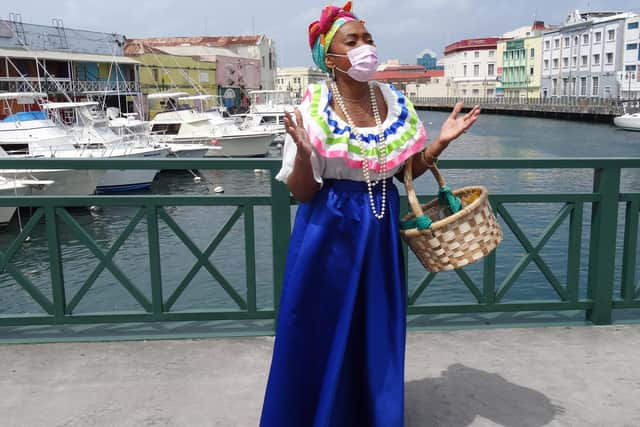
point(401, 28)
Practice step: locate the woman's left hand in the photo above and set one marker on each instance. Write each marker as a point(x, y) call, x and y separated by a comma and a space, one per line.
point(455, 126)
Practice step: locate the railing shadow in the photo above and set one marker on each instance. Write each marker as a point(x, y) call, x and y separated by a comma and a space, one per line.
point(463, 393)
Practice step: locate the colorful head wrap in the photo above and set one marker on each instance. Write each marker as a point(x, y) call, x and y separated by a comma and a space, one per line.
point(321, 32)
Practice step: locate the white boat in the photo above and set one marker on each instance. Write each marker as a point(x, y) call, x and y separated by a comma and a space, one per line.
point(628, 121)
point(92, 137)
point(17, 187)
point(182, 124)
point(267, 110)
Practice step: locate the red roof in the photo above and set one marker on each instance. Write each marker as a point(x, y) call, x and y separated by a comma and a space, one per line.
point(473, 44)
point(136, 46)
point(407, 76)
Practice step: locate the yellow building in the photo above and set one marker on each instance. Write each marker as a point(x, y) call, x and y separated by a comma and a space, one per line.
point(162, 72)
point(519, 67)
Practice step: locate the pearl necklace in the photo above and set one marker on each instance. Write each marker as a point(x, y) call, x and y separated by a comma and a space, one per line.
point(381, 148)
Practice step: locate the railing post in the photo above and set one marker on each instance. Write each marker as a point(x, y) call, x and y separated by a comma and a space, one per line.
point(55, 262)
point(602, 248)
point(281, 230)
point(157, 299)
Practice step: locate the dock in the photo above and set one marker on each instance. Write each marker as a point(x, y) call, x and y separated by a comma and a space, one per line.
point(555, 376)
point(601, 110)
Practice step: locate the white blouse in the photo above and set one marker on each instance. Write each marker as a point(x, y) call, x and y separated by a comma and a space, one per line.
point(336, 151)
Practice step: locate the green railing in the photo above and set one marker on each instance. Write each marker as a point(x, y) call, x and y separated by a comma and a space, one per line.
point(606, 202)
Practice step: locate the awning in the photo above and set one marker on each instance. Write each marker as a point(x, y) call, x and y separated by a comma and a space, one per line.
point(66, 56)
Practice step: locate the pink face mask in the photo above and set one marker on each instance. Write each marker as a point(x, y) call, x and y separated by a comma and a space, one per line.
point(364, 62)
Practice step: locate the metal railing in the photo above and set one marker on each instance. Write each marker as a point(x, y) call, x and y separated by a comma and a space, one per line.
point(605, 201)
point(67, 86)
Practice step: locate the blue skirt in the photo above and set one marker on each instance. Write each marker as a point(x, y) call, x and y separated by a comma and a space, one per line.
point(339, 350)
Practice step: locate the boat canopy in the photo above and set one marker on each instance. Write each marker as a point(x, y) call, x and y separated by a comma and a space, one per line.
point(165, 95)
point(26, 116)
point(22, 95)
point(63, 105)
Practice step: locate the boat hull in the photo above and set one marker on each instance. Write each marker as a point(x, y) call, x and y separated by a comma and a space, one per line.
point(628, 123)
point(252, 145)
point(117, 180)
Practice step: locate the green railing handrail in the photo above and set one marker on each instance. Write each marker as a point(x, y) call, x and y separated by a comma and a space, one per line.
point(605, 199)
point(274, 164)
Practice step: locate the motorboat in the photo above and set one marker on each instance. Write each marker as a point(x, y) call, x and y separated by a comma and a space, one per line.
point(628, 121)
point(18, 187)
point(183, 124)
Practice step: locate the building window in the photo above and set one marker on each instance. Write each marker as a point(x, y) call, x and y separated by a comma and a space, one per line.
point(556, 43)
point(598, 37)
point(476, 70)
point(583, 86)
point(565, 62)
point(546, 64)
point(492, 53)
point(567, 41)
point(464, 92)
point(476, 92)
point(547, 44)
point(464, 73)
point(491, 70)
point(573, 86)
point(630, 68)
point(585, 60)
point(533, 53)
point(554, 86)
point(154, 71)
point(489, 92)
point(585, 39)
point(576, 41)
point(565, 86)
point(611, 35)
point(477, 54)
point(632, 26)
point(465, 54)
point(531, 71)
point(594, 86)
point(555, 63)
point(609, 58)
point(596, 59)
point(632, 46)
point(264, 65)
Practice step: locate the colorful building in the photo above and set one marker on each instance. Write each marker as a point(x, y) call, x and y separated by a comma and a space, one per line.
point(471, 67)
point(629, 77)
point(63, 62)
point(429, 60)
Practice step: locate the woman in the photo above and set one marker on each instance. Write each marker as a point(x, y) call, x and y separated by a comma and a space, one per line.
point(339, 350)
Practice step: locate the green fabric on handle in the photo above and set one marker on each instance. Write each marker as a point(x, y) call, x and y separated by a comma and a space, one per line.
point(447, 198)
point(421, 223)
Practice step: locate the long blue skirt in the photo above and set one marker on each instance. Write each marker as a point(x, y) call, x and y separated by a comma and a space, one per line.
point(339, 350)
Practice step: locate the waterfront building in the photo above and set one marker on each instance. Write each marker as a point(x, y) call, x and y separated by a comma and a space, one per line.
point(258, 47)
point(519, 56)
point(295, 80)
point(429, 60)
point(629, 77)
point(413, 80)
point(584, 57)
point(471, 67)
point(195, 70)
point(63, 62)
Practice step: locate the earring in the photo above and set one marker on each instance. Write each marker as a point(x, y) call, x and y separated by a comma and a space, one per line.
point(333, 73)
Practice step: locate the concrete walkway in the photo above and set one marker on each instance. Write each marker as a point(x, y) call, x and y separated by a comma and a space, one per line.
point(579, 376)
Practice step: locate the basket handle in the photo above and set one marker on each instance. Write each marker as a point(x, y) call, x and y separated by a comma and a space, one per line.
point(416, 207)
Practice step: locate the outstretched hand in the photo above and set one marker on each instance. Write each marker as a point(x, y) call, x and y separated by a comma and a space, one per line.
point(298, 133)
point(455, 126)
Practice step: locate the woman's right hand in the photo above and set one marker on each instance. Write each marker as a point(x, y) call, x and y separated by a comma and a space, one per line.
point(299, 134)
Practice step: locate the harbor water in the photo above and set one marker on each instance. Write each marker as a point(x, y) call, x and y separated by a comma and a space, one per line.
point(492, 137)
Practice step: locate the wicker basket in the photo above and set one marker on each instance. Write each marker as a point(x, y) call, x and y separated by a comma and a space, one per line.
point(456, 240)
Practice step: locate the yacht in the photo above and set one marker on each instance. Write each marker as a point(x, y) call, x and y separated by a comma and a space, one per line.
point(17, 187)
point(183, 124)
point(628, 121)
